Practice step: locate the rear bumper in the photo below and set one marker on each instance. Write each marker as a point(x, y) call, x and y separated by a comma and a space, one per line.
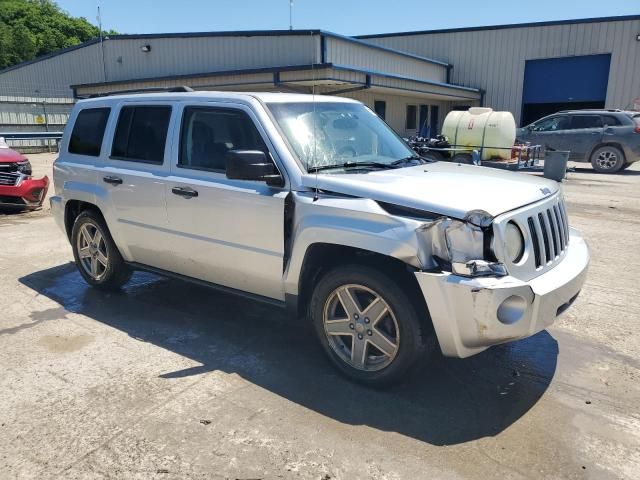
point(28, 193)
point(469, 315)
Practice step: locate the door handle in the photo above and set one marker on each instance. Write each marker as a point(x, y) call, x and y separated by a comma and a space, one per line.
point(184, 192)
point(112, 180)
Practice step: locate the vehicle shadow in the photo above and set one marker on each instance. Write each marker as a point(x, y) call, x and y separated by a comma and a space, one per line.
point(623, 173)
point(447, 401)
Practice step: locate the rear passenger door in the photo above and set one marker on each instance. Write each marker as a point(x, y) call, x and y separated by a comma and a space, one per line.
point(133, 179)
point(228, 232)
point(585, 132)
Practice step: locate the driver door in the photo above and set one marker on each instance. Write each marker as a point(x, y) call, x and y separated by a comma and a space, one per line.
point(228, 232)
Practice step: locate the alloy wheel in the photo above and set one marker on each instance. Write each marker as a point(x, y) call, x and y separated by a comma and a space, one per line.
point(92, 251)
point(607, 159)
point(361, 327)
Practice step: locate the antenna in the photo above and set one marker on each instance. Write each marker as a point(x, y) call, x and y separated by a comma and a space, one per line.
point(104, 66)
point(290, 14)
point(313, 101)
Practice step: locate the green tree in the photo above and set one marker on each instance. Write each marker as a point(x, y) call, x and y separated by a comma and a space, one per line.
point(30, 28)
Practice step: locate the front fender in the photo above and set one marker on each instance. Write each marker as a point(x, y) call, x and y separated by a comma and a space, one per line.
point(350, 222)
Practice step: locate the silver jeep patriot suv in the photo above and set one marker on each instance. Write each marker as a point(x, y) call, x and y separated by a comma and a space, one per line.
point(314, 204)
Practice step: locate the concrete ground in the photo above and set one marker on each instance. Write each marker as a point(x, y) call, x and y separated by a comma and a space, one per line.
point(169, 380)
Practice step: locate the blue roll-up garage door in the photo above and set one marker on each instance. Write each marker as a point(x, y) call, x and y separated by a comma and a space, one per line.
point(554, 84)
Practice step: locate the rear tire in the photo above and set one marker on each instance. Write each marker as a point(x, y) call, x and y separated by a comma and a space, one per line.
point(96, 255)
point(607, 159)
point(368, 325)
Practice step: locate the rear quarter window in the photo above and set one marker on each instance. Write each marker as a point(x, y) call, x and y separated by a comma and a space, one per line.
point(88, 131)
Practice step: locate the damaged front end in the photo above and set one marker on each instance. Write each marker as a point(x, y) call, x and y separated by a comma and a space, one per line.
point(462, 247)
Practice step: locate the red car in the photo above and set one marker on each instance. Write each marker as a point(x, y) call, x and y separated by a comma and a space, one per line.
point(18, 189)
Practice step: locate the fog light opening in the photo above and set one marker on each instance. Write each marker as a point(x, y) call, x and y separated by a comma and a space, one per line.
point(512, 309)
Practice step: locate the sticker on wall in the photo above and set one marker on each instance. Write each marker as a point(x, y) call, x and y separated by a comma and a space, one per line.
point(39, 119)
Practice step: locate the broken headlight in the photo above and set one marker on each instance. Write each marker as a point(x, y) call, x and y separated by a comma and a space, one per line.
point(24, 167)
point(459, 246)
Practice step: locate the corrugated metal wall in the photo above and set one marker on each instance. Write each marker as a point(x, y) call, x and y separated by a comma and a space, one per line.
point(52, 77)
point(33, 114)
point(495, 59)
point(176, 56)
point(342, 52)
point(124, 59)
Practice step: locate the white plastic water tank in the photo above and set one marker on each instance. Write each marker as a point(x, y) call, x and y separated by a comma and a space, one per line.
point(478, 127)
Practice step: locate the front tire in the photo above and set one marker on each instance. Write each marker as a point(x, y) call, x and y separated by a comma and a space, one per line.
point(96, 255)
point(607, 159)
point(367, 325)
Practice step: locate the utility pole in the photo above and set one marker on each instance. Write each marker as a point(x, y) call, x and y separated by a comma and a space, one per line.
point(290, 14)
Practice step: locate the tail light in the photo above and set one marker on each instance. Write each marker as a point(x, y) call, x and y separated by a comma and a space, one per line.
point(637, 129)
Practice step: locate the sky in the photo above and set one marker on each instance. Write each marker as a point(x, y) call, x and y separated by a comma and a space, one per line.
point(348, 17)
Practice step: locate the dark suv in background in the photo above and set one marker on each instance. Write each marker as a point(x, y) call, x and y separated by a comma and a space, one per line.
point(609, 139)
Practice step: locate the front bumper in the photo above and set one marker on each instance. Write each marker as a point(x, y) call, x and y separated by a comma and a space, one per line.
point(465, 311)
point(28, 193)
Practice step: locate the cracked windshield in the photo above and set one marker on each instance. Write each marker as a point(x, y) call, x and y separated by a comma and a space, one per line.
point(346, 135)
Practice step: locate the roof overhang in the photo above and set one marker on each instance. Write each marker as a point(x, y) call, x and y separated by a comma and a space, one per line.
point(327, 78)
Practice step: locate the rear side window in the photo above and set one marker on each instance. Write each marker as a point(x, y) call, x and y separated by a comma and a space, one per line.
point(610, 121)
point(141, 134)
point(209, 133)
point(585, 121)
point(88, 131)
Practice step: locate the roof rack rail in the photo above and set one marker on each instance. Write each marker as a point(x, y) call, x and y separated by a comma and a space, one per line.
point(181, 88)
point(592, 110)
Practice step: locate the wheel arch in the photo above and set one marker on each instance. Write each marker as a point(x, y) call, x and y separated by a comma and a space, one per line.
point(322, 257)
point(72, 209)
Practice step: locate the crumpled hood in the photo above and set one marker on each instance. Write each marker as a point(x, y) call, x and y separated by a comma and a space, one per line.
point(441, 187)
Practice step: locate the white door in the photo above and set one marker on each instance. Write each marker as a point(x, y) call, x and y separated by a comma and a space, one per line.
point(228, 232)
point(134, 177)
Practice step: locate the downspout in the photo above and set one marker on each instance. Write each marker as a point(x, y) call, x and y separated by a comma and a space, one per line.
point(449, 68)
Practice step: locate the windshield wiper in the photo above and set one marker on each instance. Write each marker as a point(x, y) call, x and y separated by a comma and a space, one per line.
point(407, 160)
point(348, 165)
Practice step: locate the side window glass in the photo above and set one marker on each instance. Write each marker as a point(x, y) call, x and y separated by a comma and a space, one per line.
point(88, 131)
point(551, 124)
point(209, 133)
point(585, 121)
point(141, 134)
point(610, 121)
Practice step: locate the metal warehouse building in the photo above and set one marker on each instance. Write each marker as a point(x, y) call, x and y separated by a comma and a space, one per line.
point(412, 79)
point(539, 68)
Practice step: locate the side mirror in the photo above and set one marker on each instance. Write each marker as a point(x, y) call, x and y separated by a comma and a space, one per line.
point(252, 165)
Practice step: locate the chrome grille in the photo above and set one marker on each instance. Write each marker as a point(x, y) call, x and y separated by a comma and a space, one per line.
point(545, 228)
point(9, 178)
point(549, 233)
